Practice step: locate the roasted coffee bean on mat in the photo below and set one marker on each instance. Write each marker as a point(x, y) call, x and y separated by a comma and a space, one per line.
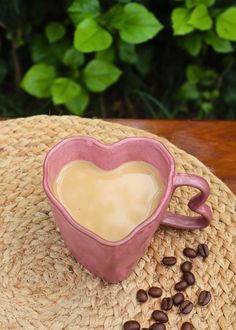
point(203, 250)
point(204, 298)
point(155, 292)
point(166, 304)
point(141, 296)
point(181, 286)
point(178, 298)
point(189, 278)
point(160, 316)
point(131, 325)
point(187, 326)
point(186, 307)
point(169, 261)
point(190, 253)
point(186, 266)
point(157, 326)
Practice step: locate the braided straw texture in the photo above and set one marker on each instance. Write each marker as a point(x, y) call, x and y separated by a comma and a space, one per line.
point(42, 287)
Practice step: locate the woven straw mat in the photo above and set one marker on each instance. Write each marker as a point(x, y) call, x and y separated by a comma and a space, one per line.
point(42, 287)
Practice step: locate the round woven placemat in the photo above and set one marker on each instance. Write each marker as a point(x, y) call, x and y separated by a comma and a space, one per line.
point(42, 287)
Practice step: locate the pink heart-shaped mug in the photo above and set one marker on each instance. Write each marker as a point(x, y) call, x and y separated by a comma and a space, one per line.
point(114, 260)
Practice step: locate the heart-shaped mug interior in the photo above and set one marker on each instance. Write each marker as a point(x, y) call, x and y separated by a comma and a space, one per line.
point(110, 203)
point(107, 157)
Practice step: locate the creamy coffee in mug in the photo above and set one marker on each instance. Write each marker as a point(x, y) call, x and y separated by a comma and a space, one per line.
point(109, 203)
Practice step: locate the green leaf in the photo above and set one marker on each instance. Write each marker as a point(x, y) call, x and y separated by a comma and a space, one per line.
point(127, 52)
point(192, 43)
point(38, 79)
point(145, 60)
point(73, 58)
point(179, 19)
point(82, 9)
point(78, 105)
point(98, 75)
point(54, 31)
point(60, 47)
point(200, 18)
point(194, 3)
point(219, 45)
point(194, 74)
point(207, 107)
point(187, 92)
point(113, 18)
point(40, 50)
point(209, 78)
point(226, 24)
point(138, 24)
point(90, 37)
point(107, 55)
point(64, 90)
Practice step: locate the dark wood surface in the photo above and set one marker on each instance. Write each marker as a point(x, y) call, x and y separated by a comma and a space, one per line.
point(212, 142)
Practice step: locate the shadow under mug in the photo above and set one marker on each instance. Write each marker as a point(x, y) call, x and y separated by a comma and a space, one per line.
point(114, 260)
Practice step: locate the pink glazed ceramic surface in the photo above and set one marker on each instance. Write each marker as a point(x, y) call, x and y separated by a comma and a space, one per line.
point(114, 260)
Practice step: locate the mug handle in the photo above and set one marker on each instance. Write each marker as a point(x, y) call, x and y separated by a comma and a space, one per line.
point(196, 204)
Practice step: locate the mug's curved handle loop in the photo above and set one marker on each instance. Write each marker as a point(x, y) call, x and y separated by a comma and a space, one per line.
point(196, 204)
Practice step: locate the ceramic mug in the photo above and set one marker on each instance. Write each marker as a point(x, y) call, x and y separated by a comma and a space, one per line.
point(114, 260)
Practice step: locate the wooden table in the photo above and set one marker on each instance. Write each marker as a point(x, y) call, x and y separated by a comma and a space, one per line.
point(212, 142)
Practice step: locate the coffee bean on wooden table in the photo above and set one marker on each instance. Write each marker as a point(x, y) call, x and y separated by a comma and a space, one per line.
point(169, 261)
point(181, 286)
point(189, 278)
point(131, 325)
point(203, 250)
point(186, 266)
point(191, 253)
point(141, 296)
point(186, 307)
point(187, 326)
point(160, 316)
point(157, 326)
point(155, 292)
point(204, 298)
point(178, 298)
point(166, 304)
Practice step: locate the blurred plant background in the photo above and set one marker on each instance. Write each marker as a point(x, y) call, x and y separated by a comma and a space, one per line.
point(137, 59)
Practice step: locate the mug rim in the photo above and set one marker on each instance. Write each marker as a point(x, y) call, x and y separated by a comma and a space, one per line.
point(66, 215)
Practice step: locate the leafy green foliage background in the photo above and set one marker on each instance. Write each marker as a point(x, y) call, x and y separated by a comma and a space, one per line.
point(139, 59)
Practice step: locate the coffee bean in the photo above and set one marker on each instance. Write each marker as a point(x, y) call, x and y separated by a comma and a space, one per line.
point(160, 316)
point(204, 298)
point(155, 292)
point(169, 261)
point(203, 250)
point(178, 298)
point(157, 326)
point(189, 278)
point(191, 253)
point(186, 266)
point(181, 286)
point(166, 304)
point(186, 307)
point(141, 296)
point(187, 326)
point(131, 325)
